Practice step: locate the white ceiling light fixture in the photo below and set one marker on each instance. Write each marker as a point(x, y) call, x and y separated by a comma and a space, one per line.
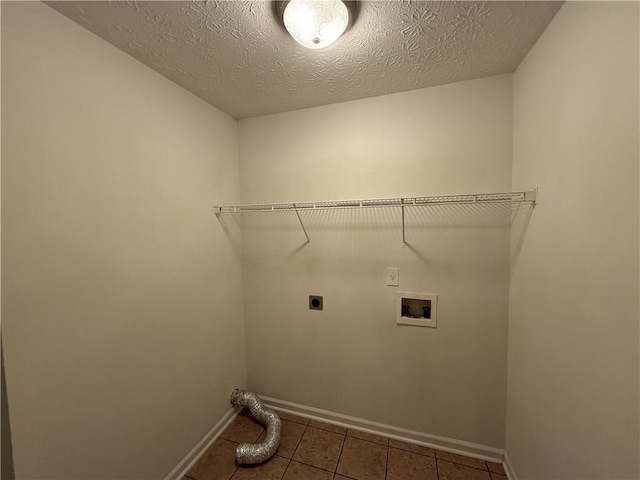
point(316, 24)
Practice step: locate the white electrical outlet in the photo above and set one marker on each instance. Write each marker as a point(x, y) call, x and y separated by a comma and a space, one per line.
point(393, 274)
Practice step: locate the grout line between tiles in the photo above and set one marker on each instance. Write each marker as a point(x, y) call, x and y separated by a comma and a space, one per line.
point(285, 468)
point(462, 465)
point(313, 466)
point(330, 431)
point(284, 472)
point(364, 440)
point(306, 427)
point(340, 456)
point(386, 465)
point(416, 453)
point(458, 463)
point(234, 472)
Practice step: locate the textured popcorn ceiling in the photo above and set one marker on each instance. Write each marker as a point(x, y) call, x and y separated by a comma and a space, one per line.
point(236, 56)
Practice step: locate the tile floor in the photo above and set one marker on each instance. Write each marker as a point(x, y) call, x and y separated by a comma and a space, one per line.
point(312, 450)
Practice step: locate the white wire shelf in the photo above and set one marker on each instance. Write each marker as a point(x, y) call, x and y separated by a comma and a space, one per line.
point(508, 197)
point(529, 196)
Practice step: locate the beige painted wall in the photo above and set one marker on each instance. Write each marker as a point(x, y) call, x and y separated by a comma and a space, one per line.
point(573, 326)
point(122, 340)
point(351, 358)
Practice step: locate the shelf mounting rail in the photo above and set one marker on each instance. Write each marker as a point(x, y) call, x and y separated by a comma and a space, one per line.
point(529, 196)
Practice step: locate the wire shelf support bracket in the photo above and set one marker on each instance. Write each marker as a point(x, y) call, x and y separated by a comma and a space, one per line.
point(304, 230)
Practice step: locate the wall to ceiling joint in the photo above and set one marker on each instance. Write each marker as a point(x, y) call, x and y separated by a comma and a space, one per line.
point(236, 56)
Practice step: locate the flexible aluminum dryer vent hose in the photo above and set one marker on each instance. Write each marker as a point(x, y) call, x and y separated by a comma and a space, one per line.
point(257, 452)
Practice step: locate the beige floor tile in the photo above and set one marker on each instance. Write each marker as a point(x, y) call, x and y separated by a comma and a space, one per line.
point(497, 476)
point(461, 459)
point(454, 471)
point(272, 469)
point(369, 437)
point(403, 465)
point(340, 477)
point(319, 448)
point(496, 468)
point(299, 471)
point(293, 418)
point(362, 460)
point(328, 427)
point(410, 447)
point(243, 429)
point(289, 438)
point(217, 463)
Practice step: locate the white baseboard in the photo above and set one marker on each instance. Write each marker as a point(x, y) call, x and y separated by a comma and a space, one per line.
point(446, 444)
point(205, 442)
point(508, 468)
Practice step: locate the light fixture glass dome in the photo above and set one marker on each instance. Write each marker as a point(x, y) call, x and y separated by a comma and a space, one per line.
point(316, 23)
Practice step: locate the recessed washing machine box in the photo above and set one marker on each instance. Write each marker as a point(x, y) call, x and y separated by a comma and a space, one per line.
point(418, 309)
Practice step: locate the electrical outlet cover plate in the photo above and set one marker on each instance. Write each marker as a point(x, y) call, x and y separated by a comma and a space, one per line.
point(417, 309)
point(393, 276)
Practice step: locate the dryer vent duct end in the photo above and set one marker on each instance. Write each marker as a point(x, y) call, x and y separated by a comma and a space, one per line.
point(251, 453)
